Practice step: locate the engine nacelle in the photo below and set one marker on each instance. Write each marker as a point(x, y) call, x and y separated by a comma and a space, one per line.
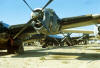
point(46, 21)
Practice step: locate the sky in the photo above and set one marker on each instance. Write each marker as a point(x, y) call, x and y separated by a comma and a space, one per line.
point(16, 12)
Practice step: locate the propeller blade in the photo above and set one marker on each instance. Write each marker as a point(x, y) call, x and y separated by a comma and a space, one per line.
point(28, 5)
point(47, 4)
point(25, 27)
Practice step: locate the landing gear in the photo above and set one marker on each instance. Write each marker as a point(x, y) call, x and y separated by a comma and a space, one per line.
point(17, 47)
point(10, 49)
point(44, 46)
point(20, 50)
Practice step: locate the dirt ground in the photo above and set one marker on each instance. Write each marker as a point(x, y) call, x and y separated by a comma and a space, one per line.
point(79, 56)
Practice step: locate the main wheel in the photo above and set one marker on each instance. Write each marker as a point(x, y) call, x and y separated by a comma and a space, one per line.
point(44, 46)
point(20, 49)
point(10, 50)
point(18, 46)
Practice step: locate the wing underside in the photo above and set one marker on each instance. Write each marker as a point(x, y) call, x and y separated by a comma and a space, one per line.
point(78, 31)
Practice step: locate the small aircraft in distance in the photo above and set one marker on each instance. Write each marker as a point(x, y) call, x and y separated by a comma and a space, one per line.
point(43, 21)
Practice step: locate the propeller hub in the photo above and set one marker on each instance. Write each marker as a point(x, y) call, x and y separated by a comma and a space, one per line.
point(37, 13)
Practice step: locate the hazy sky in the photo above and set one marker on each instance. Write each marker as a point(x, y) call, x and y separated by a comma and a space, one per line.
point(16, 12)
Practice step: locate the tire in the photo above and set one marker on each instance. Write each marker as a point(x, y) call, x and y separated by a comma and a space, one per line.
point(20, 50)
point(18, 46)
point(44, 46)
point(10, 50)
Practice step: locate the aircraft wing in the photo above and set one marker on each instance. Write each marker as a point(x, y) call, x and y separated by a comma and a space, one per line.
point(79, 21)
point(65, 23)
point(78, 31)
point(16, 28)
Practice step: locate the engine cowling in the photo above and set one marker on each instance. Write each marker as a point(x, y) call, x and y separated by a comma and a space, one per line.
point(47, 23)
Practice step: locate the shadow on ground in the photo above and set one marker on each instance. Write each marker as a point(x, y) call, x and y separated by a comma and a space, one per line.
point(3, 53)
point(41, 53)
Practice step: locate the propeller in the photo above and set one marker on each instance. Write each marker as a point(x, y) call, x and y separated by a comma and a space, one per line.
point(28, 5)
point(26, 25)
point(29, 22)
point(43, 9)
point(47, 4)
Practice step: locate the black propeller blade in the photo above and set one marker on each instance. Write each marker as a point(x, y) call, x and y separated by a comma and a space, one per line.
point(28, 5)
point(26, 25)
point(47, 4)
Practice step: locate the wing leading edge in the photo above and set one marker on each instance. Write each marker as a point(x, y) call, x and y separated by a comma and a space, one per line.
point(79, 21)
